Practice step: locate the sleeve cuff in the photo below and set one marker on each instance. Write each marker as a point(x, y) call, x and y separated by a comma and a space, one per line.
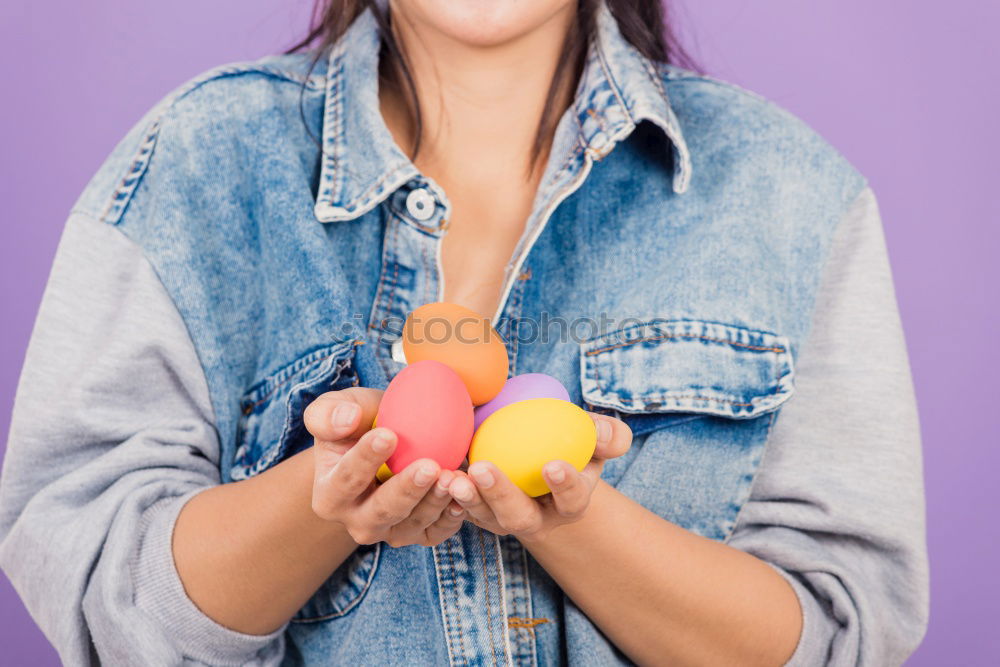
point(160, 593)
point(817, 633)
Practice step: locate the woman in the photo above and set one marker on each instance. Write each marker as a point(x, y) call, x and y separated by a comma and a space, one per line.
point(189, 472)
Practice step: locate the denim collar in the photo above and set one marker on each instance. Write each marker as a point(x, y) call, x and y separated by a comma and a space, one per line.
point(362, 164)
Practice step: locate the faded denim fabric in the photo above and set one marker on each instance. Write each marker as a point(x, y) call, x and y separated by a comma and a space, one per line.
point(723, 208)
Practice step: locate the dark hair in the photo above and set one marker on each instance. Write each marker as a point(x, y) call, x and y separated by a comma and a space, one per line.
point(642, 22)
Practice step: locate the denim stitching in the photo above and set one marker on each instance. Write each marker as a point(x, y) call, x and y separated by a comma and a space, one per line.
point(683, 177)
point(380, 312)
point(333, 113)
point(445, 616)
point(755, 465)
point(392, 289)
point(323, 376)
point(334, 161)
point(525, 623)
point(454, 593)
point(387, 244)
point(511, 551)
point(452, 649)
point(121, 195)
point(502, 631)
point(668, 396)
point(123, 192)
point(489, 607)
point(528, 604)
point(357, 599)
point(649, 339)
point(600, 121)
point(429, 269)
point(359, 201)
point(514, 311)
point(560, 197)
point(285, 372)
point(612, 83)
point(660, 323)
point(249, 408)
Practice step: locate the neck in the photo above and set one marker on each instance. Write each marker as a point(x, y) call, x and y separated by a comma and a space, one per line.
point(477, 101)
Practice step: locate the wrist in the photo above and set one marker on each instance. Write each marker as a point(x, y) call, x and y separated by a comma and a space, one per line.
point(575, 531)
point(296, 502)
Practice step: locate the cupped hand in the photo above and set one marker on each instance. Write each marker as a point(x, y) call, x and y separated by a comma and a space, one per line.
point(411, 507)
point(494, 503)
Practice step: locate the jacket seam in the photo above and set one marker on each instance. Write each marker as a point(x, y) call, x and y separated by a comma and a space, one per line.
point(754, 476)
point(804, 339)
point(122, 195)
point(173, 303)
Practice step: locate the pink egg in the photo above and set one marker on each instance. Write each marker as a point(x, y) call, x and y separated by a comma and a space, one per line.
point(429, 409)
point(521, 388)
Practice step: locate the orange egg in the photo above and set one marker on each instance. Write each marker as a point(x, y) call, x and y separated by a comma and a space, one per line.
point(463, 340)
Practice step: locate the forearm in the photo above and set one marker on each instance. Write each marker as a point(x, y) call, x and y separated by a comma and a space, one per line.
point(665, 595)
point(252, 552)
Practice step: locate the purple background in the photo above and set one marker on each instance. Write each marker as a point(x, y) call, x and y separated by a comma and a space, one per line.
point(903, 90)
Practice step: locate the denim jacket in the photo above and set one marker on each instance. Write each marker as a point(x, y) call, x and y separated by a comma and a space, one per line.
point(667, 275)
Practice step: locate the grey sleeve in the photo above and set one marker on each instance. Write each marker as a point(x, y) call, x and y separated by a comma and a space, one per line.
point(837, 506)
point(112, 432)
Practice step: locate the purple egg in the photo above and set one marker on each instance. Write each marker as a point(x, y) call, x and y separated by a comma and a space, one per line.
point(521, 388)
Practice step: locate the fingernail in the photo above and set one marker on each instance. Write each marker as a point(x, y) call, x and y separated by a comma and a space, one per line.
point(482, 475)
point(424, 475)
point(382, 443)
point(344, 414)
point(462, 490)
point(555, 473)
point(456, 511)
point(603, 431)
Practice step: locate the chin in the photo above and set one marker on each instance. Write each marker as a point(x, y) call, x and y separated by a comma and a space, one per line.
point(482, 23)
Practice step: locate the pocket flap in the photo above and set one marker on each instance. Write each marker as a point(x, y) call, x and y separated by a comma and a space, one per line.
point(669, 366)
point(271, 427)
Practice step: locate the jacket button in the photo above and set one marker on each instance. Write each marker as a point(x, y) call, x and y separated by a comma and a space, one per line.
point(420, 204)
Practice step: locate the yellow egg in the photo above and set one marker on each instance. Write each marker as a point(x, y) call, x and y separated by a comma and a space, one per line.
point(383, 473)
point(522, 437)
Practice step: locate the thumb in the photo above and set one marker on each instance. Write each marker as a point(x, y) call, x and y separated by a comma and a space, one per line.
point(342, 415)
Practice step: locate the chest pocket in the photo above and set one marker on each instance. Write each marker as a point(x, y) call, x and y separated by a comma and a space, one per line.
point(700, 398)
point(271, 430)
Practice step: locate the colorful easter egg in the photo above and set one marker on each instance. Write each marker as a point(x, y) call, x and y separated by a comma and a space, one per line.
point(521, 388)
point(428, 408)
point(383, 473)
point(522, 437)
point(463, 340)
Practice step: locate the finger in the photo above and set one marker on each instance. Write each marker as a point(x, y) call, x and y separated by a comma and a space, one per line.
point(614, 437)
point(591, 472)
point(342, 415)
point(354, 472)
point(570, 490)
point(434, 503)
point(446, 526)
point(514, 510)
point(430, 507)
point(467, 497)
point(394, 500)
